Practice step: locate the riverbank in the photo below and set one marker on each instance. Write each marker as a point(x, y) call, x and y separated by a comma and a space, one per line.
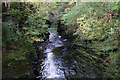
point(60, 40)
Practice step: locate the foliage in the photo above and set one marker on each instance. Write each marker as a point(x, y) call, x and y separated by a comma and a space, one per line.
point(96, 22)
point(113, 71)
point(17, 56)
point(98, 30)
point(7, 36)
point(37, 28)
point(15, 48)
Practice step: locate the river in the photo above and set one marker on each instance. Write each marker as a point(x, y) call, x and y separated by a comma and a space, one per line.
point(52, 65)
point(59, 61)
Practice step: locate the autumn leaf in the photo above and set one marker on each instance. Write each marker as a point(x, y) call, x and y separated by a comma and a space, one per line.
point(37, 39)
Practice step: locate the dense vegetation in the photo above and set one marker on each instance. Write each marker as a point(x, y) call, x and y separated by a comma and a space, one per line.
point(95, 31)
point(22, 26)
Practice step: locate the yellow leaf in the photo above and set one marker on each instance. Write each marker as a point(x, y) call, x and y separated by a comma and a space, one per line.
point(37, 39)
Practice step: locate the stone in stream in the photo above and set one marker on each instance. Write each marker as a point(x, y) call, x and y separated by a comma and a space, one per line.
point(57, 50)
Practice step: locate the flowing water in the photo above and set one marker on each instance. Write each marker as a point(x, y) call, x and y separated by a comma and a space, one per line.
point(51, 66)
point(55, 63)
